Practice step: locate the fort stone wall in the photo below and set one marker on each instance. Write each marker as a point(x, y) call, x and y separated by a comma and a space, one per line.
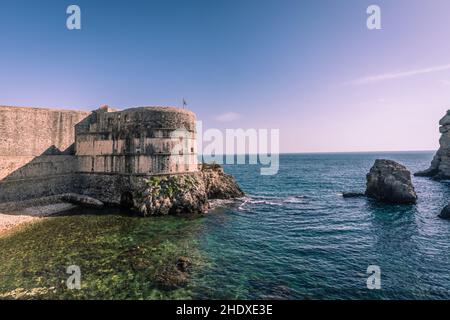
point(138, 141)
point(37, 155)
point(46, 152)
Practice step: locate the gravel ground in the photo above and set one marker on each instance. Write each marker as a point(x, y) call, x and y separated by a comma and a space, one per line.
point(15, 214)
point(8, 221)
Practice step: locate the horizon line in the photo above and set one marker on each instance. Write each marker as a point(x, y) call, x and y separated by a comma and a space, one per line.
point(324, 152)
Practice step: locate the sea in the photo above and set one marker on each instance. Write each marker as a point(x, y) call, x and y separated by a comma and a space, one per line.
point(293, 236)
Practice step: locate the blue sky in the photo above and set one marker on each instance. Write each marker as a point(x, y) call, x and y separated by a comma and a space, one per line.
point(310, 68)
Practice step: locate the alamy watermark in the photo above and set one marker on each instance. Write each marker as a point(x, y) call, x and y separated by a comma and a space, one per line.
point(73, 21)
point(374, 279)
point(229, 146)
point(74, 280)
point(241, 146)
point(374, 19)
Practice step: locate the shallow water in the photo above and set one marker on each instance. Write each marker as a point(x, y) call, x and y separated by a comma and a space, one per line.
point(119, 256)
point(293, 237)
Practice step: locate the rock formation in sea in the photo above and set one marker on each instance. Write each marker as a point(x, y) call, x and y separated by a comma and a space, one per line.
point(440, 165)
point(353, 195)
point(445, 213)
point(390, 182)
point(187, 193)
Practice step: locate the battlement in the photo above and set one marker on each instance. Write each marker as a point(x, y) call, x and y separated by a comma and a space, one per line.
point(168, 118)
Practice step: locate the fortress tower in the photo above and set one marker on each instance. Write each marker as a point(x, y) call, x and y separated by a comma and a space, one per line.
point(137, 141)
point(103, 153)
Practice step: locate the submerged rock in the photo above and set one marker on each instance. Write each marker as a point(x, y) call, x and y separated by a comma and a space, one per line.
point(174, 276)
point(445, 213)
point(390, 182)
point(183, 264)
point(427, 173)
point(171, 278)
point(353, 194)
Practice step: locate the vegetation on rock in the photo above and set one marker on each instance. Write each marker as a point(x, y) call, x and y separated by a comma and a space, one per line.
point(185, 193)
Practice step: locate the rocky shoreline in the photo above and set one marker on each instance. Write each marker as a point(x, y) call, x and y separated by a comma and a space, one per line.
point(11, 222)
point(158, 195)
point(440, 165)
point(188, 193)
point(15, 214)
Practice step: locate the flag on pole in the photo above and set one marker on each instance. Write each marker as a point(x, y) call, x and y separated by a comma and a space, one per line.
point(184, 103)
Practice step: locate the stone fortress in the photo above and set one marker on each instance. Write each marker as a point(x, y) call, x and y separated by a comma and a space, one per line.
point(146, 140)
point(110, 155)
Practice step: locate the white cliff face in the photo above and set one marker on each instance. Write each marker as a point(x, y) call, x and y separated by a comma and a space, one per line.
point(440, 165)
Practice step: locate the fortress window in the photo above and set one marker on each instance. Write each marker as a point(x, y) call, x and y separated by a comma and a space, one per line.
point(192, 150)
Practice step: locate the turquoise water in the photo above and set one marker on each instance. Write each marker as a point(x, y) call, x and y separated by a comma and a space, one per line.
point(293, 237)
point(296, 237)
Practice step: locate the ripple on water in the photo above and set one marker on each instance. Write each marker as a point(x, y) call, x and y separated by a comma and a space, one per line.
point(293, 237)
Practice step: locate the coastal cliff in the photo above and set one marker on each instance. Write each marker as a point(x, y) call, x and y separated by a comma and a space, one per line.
point(186, 193)
point(440, 165)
